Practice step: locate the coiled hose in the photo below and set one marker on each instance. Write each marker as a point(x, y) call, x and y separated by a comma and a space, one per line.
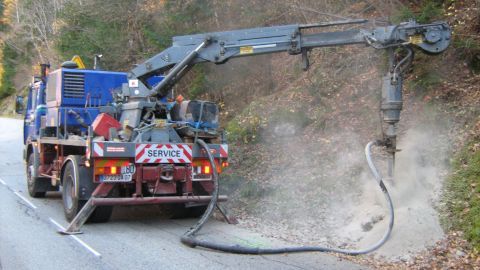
point(189, 237)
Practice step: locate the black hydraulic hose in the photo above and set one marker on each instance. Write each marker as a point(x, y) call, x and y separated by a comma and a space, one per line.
point(189, 237)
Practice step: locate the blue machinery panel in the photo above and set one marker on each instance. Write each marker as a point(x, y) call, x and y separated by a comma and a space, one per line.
point(82, 91)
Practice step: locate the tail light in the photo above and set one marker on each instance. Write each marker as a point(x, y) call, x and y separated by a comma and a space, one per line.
point(107, 170)
point(203, 166)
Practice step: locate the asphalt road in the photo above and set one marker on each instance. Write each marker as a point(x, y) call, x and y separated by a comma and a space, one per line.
point(135, 238)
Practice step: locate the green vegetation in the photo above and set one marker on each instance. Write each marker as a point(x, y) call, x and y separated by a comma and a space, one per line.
point(469, 49)
point(403, 14)
point(463, 198)
point(86, 33)
point(3, 25)
point(427, 77)
point(177, 18)
point(244, 129)
point(8, 55)
point(425, 81)
point(430, 10)
point(184, 16)
point(198, 85)
point(123, 40)
point(246, 126)
point(7, 72)
point(174, 18)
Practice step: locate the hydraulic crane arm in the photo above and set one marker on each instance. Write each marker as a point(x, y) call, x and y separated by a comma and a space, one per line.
point(219, 47)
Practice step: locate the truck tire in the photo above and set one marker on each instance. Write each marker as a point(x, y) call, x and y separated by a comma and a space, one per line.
point(72, 204)
point(35, 188)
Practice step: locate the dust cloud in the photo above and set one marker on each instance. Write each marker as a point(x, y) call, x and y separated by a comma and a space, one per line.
point(420, 170)
point(324, 194)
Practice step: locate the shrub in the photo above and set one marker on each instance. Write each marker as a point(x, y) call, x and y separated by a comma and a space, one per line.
point(469, 49)
point(244, 129)
point(197, 86)
point(7, 71)
point(429, 11)
point(463, 201)
point(426, 81)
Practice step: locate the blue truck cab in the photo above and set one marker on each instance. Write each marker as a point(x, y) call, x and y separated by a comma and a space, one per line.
point(56, 101)
point(35, 110)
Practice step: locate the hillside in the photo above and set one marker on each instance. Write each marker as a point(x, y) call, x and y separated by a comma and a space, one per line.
point(297, 170)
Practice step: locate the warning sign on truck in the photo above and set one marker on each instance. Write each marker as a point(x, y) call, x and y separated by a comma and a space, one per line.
point(163, 153)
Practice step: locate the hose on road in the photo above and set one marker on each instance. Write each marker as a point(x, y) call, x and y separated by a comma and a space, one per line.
point(189, 237)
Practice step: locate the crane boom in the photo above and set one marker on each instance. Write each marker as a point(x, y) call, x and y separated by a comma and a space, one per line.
point(219, 47)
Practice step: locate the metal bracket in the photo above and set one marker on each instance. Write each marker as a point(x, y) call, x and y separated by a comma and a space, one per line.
point(100, 191)
point(80, 218)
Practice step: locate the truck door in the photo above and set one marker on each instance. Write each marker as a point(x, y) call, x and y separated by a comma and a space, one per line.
point(29, 120)
point(27, 117)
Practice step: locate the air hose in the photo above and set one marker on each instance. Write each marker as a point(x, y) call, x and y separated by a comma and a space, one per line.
point(189, 237)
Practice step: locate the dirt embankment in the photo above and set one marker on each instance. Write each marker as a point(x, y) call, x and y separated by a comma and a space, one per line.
point(308, 183)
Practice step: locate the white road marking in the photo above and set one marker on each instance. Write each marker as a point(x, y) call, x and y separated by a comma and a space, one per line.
point(85, 245)
point(3, 182)
point(25, 199)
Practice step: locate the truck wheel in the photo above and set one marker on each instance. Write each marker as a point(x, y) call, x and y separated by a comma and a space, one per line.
point(33, 182)
point(72, 204)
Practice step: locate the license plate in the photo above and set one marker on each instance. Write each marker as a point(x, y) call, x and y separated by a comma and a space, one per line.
point(127, 177)
point(130, 169)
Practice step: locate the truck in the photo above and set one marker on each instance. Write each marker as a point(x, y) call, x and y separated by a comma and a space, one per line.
point(69, 115)
point(108, 138)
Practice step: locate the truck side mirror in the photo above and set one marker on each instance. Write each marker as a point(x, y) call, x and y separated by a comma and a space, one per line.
point(19, 106)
